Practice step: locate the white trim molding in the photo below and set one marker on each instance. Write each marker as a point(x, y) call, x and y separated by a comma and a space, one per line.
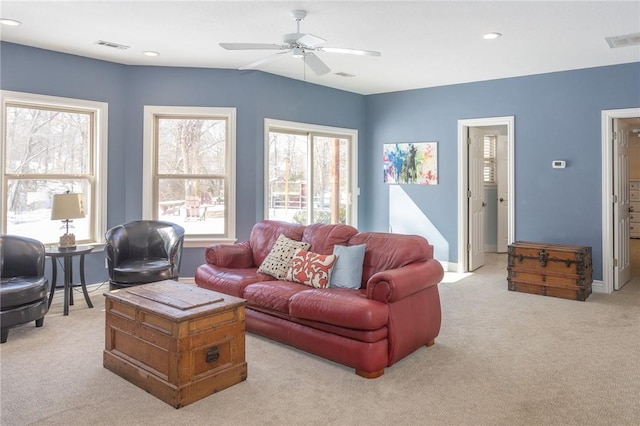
point(607, 195)
point(508, 121)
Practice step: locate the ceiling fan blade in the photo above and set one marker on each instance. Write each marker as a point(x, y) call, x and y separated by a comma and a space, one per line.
point(311, 40)
point(316, 65)
point(349, 51)
point(252, 46)
point(262, 61)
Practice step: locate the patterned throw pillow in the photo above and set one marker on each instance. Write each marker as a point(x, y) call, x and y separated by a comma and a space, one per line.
point(311, 268)
point(278, 260)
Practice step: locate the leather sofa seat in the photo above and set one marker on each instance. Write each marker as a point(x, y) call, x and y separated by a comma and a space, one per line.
point(341, 307)
point(145, 270)
point(233, 281)
point(272, 295)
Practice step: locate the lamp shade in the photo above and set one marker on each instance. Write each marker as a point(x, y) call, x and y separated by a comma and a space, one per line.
point(67, 206)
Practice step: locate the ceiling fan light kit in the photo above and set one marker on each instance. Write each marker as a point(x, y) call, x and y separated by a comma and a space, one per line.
point(300, 45)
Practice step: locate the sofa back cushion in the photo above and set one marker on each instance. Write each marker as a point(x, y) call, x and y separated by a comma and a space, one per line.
point(390, 251)
point(265, 233)
point(323, 237)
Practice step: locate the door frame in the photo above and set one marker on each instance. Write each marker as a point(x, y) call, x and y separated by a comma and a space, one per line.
point(608, 238)
point(463, 175)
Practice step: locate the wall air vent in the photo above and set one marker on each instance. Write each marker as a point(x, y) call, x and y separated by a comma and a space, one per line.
point(623, 40)
point(112, 45)
point(344, 74)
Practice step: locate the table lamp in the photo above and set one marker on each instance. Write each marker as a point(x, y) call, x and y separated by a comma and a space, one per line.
point(67, 207)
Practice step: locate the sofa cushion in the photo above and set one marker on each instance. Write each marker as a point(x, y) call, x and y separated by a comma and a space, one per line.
point(265, 233)
point(323, 236)
point(312, 269)
point(347, 272)
point(272, 295)
point(278, 260)
point(20, 291)
point(230, 281)
point(339, 306)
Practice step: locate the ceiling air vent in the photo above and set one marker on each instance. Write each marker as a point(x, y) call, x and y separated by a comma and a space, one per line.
point(113, 45)
point(623, 40)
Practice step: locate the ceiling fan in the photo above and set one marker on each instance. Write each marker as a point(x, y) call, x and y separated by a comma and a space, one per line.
point(300, 45)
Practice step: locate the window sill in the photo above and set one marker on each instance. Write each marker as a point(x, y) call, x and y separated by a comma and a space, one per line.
point(194, 242)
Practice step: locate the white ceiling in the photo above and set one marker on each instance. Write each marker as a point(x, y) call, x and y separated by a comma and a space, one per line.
point(423, 43)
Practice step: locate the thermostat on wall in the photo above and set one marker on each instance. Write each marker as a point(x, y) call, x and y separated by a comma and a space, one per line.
point(559, 164)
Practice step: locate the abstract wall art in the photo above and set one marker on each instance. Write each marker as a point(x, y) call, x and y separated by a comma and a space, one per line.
point(411, 163)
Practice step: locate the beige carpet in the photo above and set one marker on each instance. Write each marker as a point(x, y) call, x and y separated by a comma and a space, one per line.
point(502, 358)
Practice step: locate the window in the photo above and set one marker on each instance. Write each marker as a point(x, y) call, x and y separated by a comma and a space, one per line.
point(309, 173)
point(52, 145)
point(189, 170)
point(489, 172)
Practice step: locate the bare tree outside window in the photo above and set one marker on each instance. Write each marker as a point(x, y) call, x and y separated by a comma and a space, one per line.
point(191, 173)
point(48, 151)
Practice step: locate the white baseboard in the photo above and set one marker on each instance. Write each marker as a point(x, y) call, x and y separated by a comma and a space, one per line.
point(597, 287)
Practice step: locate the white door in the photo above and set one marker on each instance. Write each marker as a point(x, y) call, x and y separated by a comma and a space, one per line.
point(475, 196)
point(621, 205)
point(502, 167)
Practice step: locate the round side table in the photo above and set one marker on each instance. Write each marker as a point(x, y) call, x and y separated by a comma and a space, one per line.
point(67, 256)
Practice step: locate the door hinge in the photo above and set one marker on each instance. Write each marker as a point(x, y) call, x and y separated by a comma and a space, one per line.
point(468, 141)
point(468, 194)
point(615, 263)
point(468, 247)
point(615, 136)
point(615, 198)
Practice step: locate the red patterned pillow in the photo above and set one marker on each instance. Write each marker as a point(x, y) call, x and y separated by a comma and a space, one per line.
point(312, 269)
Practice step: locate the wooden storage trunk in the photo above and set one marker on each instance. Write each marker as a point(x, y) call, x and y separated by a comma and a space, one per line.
point(177, 341)
point(550, 269)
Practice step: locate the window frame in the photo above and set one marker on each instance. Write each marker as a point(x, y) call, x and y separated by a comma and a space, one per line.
point(98, 156)
point(315, 130)
point(149, 172)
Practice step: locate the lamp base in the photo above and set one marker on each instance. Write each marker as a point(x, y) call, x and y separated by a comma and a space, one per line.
point(68, 241)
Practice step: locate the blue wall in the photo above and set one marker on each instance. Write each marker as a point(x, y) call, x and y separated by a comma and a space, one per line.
point(127, 89)
point(557, 115)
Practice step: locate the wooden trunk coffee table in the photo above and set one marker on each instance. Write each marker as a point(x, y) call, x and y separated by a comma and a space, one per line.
point(179, 342)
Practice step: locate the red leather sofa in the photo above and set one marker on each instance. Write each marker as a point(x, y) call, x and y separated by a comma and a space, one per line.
point(395, 311)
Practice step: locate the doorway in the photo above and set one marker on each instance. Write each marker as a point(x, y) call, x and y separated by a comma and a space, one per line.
point(477, 202)
point(616, 130)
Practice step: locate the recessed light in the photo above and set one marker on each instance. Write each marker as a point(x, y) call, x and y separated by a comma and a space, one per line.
point(491, 36)
point(10, 22)
point(151, 53)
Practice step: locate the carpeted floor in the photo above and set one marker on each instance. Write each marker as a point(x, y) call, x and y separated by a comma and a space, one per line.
point(502, 358)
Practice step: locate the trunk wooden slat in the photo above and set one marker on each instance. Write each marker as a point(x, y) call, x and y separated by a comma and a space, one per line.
point(550, 269)
point(178, 342)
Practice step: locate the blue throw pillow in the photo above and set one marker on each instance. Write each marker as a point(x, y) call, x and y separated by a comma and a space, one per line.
point(347, 272)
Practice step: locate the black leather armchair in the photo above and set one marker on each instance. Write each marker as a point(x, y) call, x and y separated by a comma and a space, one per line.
point(23, 285)
point(142, 252)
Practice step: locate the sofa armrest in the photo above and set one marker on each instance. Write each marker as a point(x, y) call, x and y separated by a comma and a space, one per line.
point(395, 284)
point(237, 255)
